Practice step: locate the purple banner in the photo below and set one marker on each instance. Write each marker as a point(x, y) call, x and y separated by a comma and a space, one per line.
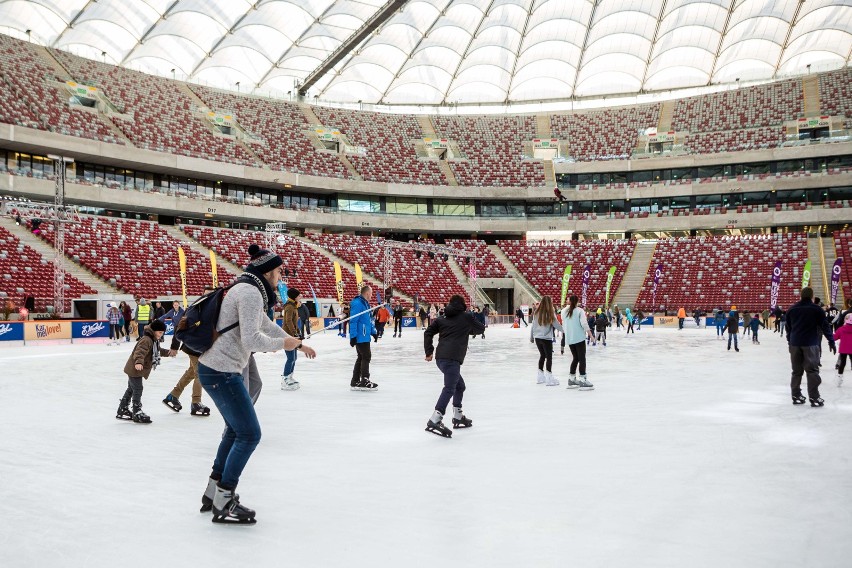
point(586, 273)
point(835, 279)
point(657, 273)
point(776, 285)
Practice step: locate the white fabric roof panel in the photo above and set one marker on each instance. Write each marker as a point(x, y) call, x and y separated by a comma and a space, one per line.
point(449, 51)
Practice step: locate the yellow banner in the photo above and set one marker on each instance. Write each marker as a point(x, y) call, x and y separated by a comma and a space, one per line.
point(338, 279)
point(214, 271)
point(359, 279)
point(182, 260)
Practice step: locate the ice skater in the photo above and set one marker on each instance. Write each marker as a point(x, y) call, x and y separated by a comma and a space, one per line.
point(719, 320)
point(755, 325)
point(804, 322)
point(542, 327)
point(844, 336)
point(290, 323)
point(360, 331)
point(628, 319)
point(601, 324)
point(221, 371)
point(576, 329)
point(398, 312)
point(172, 399)
point(144, 358)
point(454, 331)
point(733, 327)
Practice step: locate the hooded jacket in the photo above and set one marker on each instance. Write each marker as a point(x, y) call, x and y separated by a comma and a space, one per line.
point(454, 329)
point(290, 317)
point(143, 354)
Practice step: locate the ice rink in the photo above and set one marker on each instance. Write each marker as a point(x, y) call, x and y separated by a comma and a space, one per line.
point(685, 455)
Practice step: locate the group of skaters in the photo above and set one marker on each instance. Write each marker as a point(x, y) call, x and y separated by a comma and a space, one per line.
point(228, 372)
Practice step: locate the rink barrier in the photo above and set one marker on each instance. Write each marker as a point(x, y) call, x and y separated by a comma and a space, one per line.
point(48, 330)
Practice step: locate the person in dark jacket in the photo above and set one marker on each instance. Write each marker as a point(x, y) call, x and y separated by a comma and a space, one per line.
point(454, 330)
point(733, 327)
point(804, 322)
point(424, 317)
point(519, 313)
point(172, 399)
point(361, 329)
point(479, 314)
point(304, 321)
point(398, 311)
point(144, 358)
point(720, 323)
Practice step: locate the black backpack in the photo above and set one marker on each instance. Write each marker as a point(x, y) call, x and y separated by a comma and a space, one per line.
point(197, 328)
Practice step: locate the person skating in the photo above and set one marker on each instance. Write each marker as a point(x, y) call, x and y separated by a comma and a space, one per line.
point(454, 331)
point(143, 317)
point(732, 325)
point(398, 312)
point(542, 327)
point(600, 327)
point(424, 317)
point(616, 315)
point(778, 312)
point(804, 321)
point(628, 318)
point(765, 316)
point(681, 317)
point(361, 328)
point(246, 329)
point(290, 323)
point(382, 317)
point(144, 358)
point(519, 313)
point(172, 399)
point(304, 320)
point(479, 314)
point(114, 317)
point(755, 324)
point(746, 323)
point(576, 329)
point(640, 315)
point(720, 324)
point(843, 335)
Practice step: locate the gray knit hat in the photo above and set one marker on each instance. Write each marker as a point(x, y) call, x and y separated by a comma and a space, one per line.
point(262, 261)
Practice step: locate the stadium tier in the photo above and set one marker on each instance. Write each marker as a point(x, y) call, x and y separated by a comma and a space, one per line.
point(542, 263)
point(305, 267)
point(486, 263)
point(710, 272)
point(24, 271)
point(609, 134)
point(432, 280)
point(138, 257)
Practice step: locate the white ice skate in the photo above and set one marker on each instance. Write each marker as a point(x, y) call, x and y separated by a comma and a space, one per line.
point(573, 383)
point(540, 379)
point(288, 383)
point(550, 380)
point(584, 384)
point(839, 379)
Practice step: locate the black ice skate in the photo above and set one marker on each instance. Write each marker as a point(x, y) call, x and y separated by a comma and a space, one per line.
point(199, 409)
point(140, 417)
point(439, 429)
point(227, 508)
point(817, 401)
point(172, 402)
point(798, 399)
point(463, 422)
point(364, 385)
point(123, 412)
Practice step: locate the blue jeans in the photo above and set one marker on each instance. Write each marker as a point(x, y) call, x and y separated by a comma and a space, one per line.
point(720, 329)
point(734, 337)
point(453, 384)
point(242, 430)
point(290, 364)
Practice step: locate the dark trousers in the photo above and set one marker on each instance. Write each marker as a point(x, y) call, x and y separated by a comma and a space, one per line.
point(578, 352)
point(805, 360)
point(841, 362)
point(380, 328)
point(133, 392)
point(521, 319)
point(114, 331)
point(140, 329)
point(242, 429)
point(630, 327)
point(362, 363)
point(680, 323)
point(424, 321)
point(453, 385)
point(127, 328)
point(545, 353)
point(397, 326)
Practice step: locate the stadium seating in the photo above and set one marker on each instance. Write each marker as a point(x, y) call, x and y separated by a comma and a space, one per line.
point(835, 92)
point(493, 146)
point(734, 140)
point(842, 245)
point(138, 257)
point(310, 267)
point(38, 97)
point(159, 116)
point(487, 264)
point(24, 270)
point(542, 263)
point(709, 272)
point(430, 279)
point(388, 140)
point(609, 134)
point(280, 126)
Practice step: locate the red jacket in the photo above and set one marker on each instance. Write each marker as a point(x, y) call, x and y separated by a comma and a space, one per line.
point(844, 336)
point(382, 315)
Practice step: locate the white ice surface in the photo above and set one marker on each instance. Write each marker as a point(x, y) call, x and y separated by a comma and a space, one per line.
point(684, 455)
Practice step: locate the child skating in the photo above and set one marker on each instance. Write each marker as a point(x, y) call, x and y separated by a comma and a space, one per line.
point(144, 358)
point(454, 331)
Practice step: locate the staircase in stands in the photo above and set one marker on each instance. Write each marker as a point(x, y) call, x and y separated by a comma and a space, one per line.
point(634, 277)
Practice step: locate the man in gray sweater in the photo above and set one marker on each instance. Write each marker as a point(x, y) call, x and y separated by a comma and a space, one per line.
point(221, 368)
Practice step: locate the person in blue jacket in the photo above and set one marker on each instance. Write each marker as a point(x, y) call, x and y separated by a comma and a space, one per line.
point(720, 323)
point(755, 325)
point(361, 329)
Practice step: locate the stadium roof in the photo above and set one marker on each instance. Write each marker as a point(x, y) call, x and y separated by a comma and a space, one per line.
point(433, 52)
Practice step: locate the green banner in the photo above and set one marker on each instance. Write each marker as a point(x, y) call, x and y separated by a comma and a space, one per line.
point(566, 276)
point(806, 274)
point(609, 278)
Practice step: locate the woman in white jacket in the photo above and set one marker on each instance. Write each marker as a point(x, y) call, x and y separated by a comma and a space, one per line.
point(576, 331)
point(542, 326)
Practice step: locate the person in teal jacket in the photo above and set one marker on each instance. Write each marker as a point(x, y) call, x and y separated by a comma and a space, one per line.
point(628, 317)
point(361, 329)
